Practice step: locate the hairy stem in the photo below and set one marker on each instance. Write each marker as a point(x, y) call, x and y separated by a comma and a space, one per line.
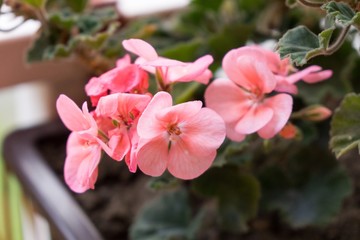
point(310, 4)
point(339, 41)
point(336, 45)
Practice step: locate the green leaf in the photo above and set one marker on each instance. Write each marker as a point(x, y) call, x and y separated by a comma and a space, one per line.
point(297, 43)
point(78, 5)
point(342, 12)
point(184, 51)
point(95, 21)
point(63, 20)
point(166, 217)
point(231, 36)
point(96, 41)
point(166, 181)
point(237, 193)
point(234, 153)
point(325, 36)
point(308, 189)
point(57, 51)
point(345, 126)
point(314, 203)
point(207, 5)
point(36, 3)
point(36, 51)
point(300, 44)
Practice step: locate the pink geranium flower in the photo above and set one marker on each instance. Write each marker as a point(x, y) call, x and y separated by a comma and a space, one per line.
point(124, 78)
point(242, 99)
point(169, 70)
point(123, 110)
point(181, 138)
point(83, 149)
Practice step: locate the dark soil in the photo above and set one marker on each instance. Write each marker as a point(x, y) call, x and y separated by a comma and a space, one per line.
point(119, 195)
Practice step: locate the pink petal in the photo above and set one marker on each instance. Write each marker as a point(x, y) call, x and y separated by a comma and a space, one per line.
point(282, 107)
point(153, 156)
point(231, 67)
point(148, 125)
point(227, 99)
point(128, 102)
point(80, 170)
point(119, 144)
point(204, 132)
point(107, 105)
point(70, 114)
point(142, 63)
point(123, 62)
point(140, 48)
point(318, 76)
point(131, 78)
point(205, 77)
point(256, 118)
point(295, 77)
point(248, 69)
point(184, 163)
point(95, 87)
point(164, 62)
point(179, 112)
point(284, 86)
point(258, 74)
point(232, 134)
point(191, 71)
point(131, 157)
point(121, 104)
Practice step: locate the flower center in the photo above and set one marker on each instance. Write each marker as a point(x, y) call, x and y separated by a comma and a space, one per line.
point(173, 129)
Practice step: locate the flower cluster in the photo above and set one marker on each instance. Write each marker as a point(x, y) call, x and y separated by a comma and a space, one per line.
point(146, 131)
point(255, 97)
point(150, 133)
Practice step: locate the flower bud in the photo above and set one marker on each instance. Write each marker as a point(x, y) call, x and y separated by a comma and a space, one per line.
point(289, 131)
point(313, 113)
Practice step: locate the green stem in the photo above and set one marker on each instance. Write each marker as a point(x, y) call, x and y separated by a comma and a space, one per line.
point(336, 45)
point(102, 134)
point(339, 41)
point(160, 81)
point(310, 4)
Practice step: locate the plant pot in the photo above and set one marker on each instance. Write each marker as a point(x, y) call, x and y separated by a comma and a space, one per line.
point(37, 156)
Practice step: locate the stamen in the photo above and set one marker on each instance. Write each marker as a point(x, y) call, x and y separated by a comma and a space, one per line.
point(173, 129)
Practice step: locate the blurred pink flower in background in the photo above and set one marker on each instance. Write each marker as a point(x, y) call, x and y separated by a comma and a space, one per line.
point(242, 99)
point(169, 70)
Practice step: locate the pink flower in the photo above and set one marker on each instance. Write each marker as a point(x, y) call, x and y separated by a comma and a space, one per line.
point(286, 74)
point(312, 74)
point(169, 70)
point(124, 78)
point(123, 110)
point(242, 101)
point(181, 138)
point(83, 149)
point(81, 163)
